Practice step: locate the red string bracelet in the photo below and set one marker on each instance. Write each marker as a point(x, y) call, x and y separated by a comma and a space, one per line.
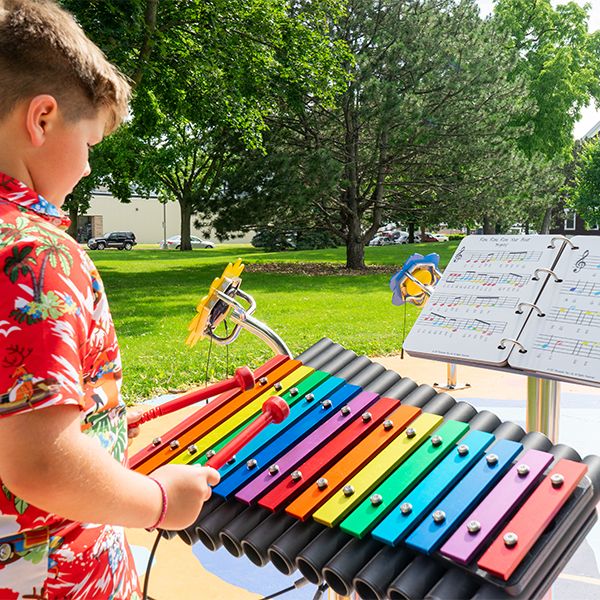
point(163, 511)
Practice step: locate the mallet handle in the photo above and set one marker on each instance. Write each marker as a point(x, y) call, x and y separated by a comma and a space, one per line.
point(243, 378)
point(275, 409)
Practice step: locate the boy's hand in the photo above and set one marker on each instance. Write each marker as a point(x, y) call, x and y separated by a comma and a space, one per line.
point(188, 488)
point(133, 415)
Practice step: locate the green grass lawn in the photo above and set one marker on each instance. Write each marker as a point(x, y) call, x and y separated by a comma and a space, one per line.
point(153, 295)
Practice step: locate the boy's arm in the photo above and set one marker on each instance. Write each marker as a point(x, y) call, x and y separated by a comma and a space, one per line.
point(48, 462)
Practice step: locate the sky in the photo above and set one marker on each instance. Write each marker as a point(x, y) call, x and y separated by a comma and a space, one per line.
point(590, 115)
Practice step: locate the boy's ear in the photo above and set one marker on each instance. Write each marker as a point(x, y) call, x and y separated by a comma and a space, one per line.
point(42, 113)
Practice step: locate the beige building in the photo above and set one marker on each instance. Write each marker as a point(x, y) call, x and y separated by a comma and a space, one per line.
point(148, 218)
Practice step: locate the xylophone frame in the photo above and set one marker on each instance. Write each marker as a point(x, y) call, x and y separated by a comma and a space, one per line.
point(550, 552)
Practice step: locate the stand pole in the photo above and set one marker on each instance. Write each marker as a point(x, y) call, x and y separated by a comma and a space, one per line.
point(452, 376)
point(543, 406)
point(452, 380)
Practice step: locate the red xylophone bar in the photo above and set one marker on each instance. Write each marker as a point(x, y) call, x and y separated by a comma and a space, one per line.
point(243, 379)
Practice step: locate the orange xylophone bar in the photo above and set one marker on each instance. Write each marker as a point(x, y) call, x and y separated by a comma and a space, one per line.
point(143, 455)
point(232, 534)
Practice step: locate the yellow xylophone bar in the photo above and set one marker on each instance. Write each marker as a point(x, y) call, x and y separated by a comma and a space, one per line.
point(357, 488)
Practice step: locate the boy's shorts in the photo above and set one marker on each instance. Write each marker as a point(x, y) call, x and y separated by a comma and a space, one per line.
point(88, 562)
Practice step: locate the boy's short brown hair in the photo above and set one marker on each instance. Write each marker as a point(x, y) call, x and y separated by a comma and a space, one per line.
point(44, 51)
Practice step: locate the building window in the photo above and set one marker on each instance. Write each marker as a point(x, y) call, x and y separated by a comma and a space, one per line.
point(570, 220)
point(595, 227)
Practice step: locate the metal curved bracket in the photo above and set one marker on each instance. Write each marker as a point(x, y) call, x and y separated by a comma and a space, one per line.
point(535, 307)
point(546, 270)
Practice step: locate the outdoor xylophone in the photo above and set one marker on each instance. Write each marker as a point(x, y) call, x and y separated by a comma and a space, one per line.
point(379, 486)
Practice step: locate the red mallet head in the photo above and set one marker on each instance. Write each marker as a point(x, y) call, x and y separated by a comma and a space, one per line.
point(244, 378)
point(277, 408)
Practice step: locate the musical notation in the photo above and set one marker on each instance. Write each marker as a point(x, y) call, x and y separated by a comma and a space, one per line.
point(487, 279)
point(476, 325)
point(451, 301)
point(559, 345)
point(580, 288)
point(575, 316)
point(586, 261)
point(487, 258)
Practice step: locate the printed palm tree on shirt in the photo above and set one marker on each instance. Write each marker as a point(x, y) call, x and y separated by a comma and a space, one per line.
point(22, 262)
point(10, 234)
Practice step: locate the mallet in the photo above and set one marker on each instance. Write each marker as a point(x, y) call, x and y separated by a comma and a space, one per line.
point(243, 378)
point(274, 410)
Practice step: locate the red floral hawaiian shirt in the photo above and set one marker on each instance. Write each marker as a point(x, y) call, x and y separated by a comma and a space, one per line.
point(57, 346)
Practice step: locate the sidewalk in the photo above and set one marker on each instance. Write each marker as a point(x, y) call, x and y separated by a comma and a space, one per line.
point(180, 573)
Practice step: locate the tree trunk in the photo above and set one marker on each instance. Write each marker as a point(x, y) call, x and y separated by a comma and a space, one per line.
point(150, 16)
point(488, 228)
point(411, 233)
point(547, 221)
point(73, 214)
point(355, 253)
point(186, 218)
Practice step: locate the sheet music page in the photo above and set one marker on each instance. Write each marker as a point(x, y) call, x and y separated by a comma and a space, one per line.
point(474, 305)
point(565, 343)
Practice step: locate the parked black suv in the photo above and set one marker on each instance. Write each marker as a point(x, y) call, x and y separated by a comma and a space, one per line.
point(123, 240)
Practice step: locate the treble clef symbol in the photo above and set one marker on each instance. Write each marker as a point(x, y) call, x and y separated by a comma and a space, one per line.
point(580, 264)
point(459, 254)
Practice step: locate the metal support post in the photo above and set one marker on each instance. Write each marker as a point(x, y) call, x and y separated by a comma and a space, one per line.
point(543, 406)
point(452, 380)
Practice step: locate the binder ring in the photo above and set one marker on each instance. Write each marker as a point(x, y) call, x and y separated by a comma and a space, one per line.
point(562, 238)
point(535, 307)
point(545, 270)
point(502, 345)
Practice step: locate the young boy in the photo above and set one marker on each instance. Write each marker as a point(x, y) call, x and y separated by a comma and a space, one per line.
point(63, 428)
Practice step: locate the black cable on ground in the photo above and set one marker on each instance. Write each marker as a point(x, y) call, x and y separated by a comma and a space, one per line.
point(149, 566)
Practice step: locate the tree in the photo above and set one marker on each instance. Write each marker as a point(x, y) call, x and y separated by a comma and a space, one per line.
point(424, 128)
point(560, 61)
point(213, 70)
point(585, 195)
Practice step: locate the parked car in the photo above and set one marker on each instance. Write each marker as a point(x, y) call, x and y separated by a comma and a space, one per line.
point(440, 237)
point(426, 237)
point(386, 238)
point(123, 240)
point(175, 243)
